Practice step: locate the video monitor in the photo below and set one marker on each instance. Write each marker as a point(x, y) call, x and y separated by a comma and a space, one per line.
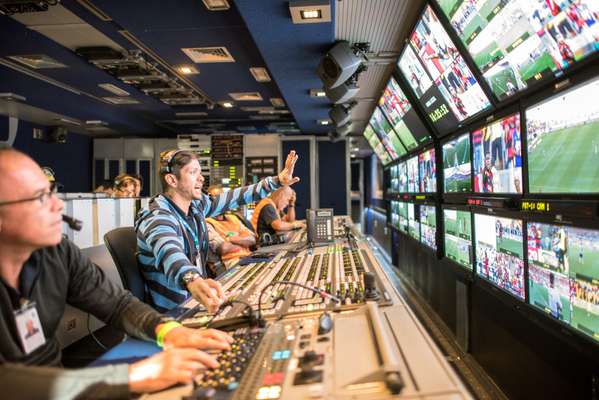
point(402, 208)
point(457, 228)
point(394, 178)
point(499, 252)
point(515, 43)
point(394, 214)
point(439, 76)
point(403, 177)
point(457, 168)
point(402, 116)
point(428, 226)
point(563, 142)
point(498, 157)
point(428, 171)
point(413, 222)
point(413, 180)
point(376, 145)
point(563, 274)
point(386, 134)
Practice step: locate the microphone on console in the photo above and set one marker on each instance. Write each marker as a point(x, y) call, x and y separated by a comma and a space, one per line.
point(73, 223)
point(370, 290)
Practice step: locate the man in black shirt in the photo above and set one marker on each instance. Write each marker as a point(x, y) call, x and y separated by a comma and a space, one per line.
point(268, 218)
point(40, 272)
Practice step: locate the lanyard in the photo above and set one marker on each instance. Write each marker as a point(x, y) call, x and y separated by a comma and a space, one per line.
point(187, 230)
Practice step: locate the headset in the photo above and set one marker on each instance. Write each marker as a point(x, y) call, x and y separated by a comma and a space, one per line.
point(168, 167)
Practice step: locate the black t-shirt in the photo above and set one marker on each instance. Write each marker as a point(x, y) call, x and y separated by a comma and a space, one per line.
point(268, 214)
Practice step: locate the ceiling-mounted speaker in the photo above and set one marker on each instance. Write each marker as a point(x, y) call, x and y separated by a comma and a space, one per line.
point(345, 129)
point(340, 115)
point(338, 65)
point(342, 93)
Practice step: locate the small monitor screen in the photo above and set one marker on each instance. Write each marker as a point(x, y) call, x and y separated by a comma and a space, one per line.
point(518, 42)
point(457, 227)
point(563, 142)
point(563, 274)
point(427, 171)
point(403, 177)
point(428, 226)
point(498, 157)
point(376, 145)
point(413, 222)
point(413, 181)
point(386, 134)
point(457, 168)
point(439, 76)
point(395, 214)
point(499, 252)
point(402, 116)
point(394, 175)
point(402, 208)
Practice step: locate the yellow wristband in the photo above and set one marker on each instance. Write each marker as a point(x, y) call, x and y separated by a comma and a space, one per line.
point(164, 330)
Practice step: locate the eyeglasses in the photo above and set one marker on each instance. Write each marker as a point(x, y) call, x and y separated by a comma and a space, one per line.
point(43, 198)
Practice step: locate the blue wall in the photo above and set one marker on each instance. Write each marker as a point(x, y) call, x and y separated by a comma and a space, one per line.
point(332, 176)
point(302, 170)
point(70, 161)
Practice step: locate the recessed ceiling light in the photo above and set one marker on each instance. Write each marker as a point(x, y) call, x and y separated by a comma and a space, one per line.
point(317, 93)
point(226, 104)
point(310, 11)
point(216, 5)
point(260, 74)
point(188, 69)
point(120, 100)
point(277, 102)
point(324, 122)
point(310, 14)
point(113, 89)
point(246, 96)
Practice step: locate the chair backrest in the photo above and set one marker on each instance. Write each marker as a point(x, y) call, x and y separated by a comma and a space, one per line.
point(122, 245)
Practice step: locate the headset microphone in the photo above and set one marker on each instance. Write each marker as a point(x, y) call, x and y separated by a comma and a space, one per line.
point(73, 223)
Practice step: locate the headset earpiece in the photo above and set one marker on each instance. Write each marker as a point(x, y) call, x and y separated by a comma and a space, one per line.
point(168, 167)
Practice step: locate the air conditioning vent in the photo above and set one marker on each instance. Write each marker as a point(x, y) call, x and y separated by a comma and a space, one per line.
point(203, 55)
point(246, 96)
point(260, 74)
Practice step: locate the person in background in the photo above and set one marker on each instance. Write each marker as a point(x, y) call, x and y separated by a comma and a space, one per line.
point(228, 237)
point(172, 237)
point(268, 218)
point(138, 184)
point(41, 272)
point(105, 187)
point(124, 186)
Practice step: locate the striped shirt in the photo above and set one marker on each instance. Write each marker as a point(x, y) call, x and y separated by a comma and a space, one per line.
point(169, 241)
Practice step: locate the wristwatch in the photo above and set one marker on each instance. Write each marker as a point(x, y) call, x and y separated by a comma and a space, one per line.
point(189, 277)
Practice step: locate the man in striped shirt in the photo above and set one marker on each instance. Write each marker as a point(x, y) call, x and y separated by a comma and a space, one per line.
point(172, 237)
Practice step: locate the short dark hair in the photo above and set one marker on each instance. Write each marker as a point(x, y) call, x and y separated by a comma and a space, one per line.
point(171, 162)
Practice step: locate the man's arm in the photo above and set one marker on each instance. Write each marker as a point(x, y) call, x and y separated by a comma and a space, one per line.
point(270, 217)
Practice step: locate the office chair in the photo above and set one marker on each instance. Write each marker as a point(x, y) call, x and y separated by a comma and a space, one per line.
point(122, 245)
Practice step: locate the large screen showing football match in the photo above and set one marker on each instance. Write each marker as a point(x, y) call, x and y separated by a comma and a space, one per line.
point(515, 43)
point(499, 252)
point(427, 171)
point(428, 226)
point(563, 142)
point(563, 274)
point(402, 116)
point(376, 145)
point(386, 134)
point(439, 76)
point(456, 165)
point(413, 180)
point(498, 157)
point(457, 227)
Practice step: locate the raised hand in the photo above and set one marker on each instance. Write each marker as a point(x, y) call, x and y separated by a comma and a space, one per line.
point(286, 177)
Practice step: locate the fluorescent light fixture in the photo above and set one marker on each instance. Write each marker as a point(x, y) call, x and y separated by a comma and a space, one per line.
point(38, 61)
point(324, 122)
point(277, 102)
point(216, 5)
point(311, 14)
point(246, 96)
point(113, 89)
point(96, 122)
point(317, 93)
point(12, 97)
point(67, 121)
point(120, 100)
point(188, 70)
point(191, 114)
point(226, 104)
point(260, 74)
point(310, 11)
